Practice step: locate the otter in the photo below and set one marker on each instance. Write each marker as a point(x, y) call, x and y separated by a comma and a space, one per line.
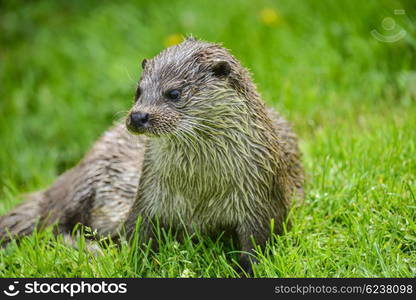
point(216, 160)
point(209, 156)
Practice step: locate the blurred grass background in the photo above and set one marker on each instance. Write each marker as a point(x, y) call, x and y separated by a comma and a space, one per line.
point(69, 68)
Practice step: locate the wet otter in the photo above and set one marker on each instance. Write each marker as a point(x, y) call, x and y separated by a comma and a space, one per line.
point(216, 159)
point(211, 157)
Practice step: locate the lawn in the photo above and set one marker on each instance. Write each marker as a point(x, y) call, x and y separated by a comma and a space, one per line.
point(68, 69)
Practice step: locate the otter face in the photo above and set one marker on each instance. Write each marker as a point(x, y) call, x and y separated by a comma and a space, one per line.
point(181, 88)
point(154, 113)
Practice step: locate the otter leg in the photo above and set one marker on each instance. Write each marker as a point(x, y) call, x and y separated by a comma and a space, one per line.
point(247, 236)
point(145, 233)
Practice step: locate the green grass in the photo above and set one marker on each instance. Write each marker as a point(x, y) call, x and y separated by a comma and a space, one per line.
point(68, 69)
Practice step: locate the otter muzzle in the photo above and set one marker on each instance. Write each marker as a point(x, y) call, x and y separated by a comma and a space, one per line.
point(137, 121)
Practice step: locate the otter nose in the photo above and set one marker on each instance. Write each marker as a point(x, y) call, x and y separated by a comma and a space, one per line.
point(139, 119)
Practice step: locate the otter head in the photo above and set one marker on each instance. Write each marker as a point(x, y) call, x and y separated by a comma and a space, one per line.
point(190, 86)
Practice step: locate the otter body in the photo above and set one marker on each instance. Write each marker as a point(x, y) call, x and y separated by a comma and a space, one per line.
point(98, 192)
point(210, 157)
point(217, 159)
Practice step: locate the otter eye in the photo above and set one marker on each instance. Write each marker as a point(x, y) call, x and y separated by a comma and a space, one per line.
point(173, 94)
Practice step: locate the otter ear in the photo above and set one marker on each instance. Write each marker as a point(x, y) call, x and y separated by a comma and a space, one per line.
point(190, 38)
point(221, 68)
point(144, 62)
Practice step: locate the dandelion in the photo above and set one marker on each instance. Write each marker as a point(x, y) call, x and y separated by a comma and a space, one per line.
point(270, 17)
point(173, 39)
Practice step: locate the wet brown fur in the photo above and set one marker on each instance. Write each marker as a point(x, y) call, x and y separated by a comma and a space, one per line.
point(217, 159)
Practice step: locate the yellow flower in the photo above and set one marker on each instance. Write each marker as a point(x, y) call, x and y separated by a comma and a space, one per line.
point(270, 17)
point(173, 39)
